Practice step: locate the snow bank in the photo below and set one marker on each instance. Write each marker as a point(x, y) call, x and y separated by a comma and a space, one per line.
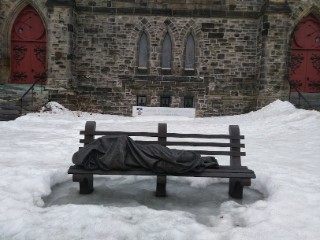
point(39, 200)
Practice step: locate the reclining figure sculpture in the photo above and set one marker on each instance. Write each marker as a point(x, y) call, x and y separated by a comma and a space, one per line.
point(123, 153)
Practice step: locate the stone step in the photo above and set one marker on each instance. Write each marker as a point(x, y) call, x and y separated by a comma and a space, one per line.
point(306, 101)
point(6, 115)
point(9, 112)
point(11, 106)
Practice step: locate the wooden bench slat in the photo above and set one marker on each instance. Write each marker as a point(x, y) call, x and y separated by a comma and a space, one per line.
point(204, 144)
point(155, 134)
point(176, 143)
point(209, 136)
point(142, 134)
point(227, 153)
point(222, 168)
point(223, 172)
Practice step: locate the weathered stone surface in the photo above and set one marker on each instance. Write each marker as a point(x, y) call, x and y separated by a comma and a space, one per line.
point(241, 52)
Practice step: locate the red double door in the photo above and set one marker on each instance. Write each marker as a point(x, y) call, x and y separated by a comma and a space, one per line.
point(305, 56)
point(28, 48)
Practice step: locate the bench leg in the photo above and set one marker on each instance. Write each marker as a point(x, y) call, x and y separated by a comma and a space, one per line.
point(235, 188)
point(85, 182)
point(161, 186)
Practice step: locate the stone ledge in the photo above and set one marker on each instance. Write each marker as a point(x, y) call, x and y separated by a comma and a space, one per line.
point(67, 3)
point(161, 78)
point(203, 13)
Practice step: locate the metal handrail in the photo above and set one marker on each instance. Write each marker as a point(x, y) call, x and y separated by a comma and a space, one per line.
point(29, 89)
point(300, 95)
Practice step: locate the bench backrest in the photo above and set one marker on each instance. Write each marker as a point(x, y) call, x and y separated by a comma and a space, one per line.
point(231, 147)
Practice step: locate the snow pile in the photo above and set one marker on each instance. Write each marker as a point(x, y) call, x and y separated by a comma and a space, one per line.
point(55, 108)
point(39, 200)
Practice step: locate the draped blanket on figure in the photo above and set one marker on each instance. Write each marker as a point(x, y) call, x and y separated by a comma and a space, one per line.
point(122, 153)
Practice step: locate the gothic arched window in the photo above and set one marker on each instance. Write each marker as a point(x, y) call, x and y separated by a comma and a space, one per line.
point(166, 52)
point(190, 53)
point(143, 51)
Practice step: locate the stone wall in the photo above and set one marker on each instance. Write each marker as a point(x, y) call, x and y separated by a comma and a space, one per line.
point(6, 9)
point(273, 81)
point(242, 50)
point(106, 58)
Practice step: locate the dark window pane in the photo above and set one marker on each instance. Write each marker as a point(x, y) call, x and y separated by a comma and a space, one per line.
point(165, 101)
point(190, 53)
point(143, 51)
point(166, 52)
point(188, 102)
point(141, 100)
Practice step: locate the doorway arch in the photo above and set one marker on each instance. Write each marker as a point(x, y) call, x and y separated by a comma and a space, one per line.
point(305, 56)
point(28, 48)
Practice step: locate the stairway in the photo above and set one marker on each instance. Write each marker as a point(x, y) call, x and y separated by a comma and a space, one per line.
point(309, 101)
point(11, 105)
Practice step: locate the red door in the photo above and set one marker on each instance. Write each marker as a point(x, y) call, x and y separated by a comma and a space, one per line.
point(305, 56)
point(28, 48)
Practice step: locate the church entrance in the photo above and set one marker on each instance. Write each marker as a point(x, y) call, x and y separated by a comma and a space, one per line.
point(28, 48)
point(305, 57)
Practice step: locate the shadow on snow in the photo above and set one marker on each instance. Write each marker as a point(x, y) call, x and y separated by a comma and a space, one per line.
point(203, 202)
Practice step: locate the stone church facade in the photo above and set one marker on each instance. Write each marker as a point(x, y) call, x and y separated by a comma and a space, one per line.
point(220, 57)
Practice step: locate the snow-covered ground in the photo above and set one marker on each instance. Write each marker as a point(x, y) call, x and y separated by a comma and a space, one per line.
point(38, 200)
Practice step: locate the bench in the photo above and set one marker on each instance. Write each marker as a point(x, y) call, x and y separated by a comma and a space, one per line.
point(205, 144)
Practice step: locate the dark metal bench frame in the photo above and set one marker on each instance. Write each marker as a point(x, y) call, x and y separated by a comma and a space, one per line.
point(239, 176)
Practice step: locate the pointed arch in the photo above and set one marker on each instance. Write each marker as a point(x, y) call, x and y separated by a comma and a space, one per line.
point(28, 47)
point(190, 52)
point(6, 29)
point(305, 55)
point(190, 34)
point(143, 50)
point(166, 52)
point(297, 18)
point(13, 14)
